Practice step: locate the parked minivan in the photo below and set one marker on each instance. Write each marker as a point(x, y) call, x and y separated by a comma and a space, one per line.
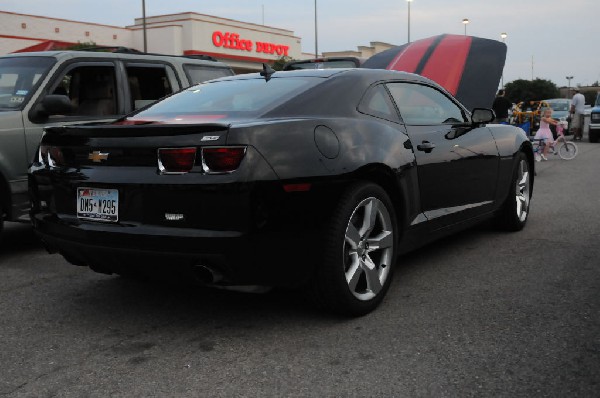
point(39, 89)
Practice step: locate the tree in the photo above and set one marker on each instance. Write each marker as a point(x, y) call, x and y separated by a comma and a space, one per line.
point(281, 61)
point(528, 90)
point(590, 97)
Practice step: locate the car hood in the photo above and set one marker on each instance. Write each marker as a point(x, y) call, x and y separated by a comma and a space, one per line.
point(468, 67)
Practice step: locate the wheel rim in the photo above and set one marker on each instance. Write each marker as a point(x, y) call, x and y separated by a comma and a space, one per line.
point(522, 190)
point(567, 151)
point(368, 248)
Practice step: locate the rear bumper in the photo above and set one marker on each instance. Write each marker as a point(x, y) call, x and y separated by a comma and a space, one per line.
point(272, 258)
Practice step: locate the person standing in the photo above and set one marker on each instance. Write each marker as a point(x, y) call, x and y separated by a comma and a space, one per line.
point(501, 107)
point(577, 109)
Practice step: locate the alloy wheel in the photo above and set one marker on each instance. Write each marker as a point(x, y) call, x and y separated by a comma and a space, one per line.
point(368, 248)
point(522, 190)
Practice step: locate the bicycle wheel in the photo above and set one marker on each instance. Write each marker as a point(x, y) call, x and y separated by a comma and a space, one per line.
point(567, 150)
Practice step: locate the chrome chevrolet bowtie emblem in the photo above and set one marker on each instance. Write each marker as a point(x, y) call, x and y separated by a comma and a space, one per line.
point(97, 156)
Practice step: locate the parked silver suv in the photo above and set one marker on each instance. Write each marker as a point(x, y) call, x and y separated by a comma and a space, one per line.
point(65, 87)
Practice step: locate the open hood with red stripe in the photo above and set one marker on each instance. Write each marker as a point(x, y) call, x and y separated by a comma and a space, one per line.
point(468, 67)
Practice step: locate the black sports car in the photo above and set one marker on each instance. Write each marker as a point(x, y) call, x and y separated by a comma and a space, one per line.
point(311, 178)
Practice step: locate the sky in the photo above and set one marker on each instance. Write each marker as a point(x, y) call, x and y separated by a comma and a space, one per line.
point(548, 39)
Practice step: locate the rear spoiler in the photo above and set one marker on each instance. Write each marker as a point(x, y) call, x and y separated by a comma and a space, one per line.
point(324, 63)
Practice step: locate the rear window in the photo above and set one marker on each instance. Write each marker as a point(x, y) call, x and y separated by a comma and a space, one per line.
point(228, 98)
point(199, 74)
point(19, 76)
point(329, 64)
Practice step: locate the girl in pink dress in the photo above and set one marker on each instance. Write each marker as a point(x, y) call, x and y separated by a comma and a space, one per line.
point(544, 133)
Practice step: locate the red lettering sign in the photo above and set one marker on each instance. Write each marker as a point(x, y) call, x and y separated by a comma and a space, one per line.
point(234, 42)
point(272, 48)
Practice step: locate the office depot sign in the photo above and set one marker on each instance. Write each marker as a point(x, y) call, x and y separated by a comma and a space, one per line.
point(234, 42)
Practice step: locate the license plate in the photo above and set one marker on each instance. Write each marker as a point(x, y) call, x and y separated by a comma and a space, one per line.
point(98, 204)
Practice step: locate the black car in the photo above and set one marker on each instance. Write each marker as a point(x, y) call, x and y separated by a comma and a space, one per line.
point(313, 178)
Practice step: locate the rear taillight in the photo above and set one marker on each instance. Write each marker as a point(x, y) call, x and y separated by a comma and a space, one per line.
point(51, 156)
point(222, 159)
point(176, 160)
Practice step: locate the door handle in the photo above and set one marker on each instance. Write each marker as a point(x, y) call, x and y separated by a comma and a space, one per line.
point(426, 146)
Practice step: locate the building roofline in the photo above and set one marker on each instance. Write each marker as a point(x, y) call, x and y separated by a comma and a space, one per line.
point(63, 20)
point(214, 16)
point(170, 22)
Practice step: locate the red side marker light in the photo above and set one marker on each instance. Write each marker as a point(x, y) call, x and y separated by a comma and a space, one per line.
point(176, 160)
point(297, 187)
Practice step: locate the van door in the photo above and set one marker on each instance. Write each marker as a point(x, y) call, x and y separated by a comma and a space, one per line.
point(20, 77)
point(93, 90)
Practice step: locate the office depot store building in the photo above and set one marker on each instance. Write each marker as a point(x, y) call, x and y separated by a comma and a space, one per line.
point(243, 46)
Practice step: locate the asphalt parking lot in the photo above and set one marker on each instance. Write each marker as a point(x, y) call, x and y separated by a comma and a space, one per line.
point(482, 313)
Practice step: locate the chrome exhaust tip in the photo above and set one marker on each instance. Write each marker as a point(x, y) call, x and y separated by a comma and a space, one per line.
point(206, 274)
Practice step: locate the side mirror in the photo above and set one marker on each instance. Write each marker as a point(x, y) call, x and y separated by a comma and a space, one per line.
point(482, 116)
point(55, 104)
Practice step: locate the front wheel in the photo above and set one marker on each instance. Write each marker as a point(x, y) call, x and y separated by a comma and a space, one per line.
point(359, 253)
point(567, 150)
point(515, 210)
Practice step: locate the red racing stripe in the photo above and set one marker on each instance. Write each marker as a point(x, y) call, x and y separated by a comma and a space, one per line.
point(408, 59)
point(447, 63)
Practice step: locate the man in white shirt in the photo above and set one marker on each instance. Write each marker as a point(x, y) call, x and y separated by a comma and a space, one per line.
point(577, 109)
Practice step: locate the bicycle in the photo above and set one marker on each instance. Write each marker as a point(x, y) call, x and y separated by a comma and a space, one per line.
point(567, 150)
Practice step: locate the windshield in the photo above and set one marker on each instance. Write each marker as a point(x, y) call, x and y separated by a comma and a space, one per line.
point(559, 106)
point(225, 99)
point(19, 77)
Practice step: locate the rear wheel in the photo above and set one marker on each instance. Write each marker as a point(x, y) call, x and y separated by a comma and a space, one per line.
point(2, 216)
point(359, 253)
point(515, 211)
point(567, 150)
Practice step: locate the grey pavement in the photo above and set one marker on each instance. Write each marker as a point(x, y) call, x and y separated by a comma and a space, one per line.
point(482, 313)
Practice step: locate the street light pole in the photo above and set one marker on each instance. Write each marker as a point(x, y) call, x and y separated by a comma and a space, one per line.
point(465, 22)
point(316, 34)
point(409, 1)
point(503, 36)
point(144, 24)
point(569, 78)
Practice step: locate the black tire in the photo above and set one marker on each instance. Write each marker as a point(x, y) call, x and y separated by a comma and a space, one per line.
point(515, 211)
point(368, 252)
point(1, 222)
point(593, 135)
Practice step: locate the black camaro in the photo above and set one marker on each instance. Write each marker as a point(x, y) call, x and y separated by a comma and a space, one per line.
point(312, 178)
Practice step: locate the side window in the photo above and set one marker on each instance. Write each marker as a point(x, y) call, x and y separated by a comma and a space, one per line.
point(147, 83)
point(91, 89)
point(376, 102)
point(424, 105)
point(199, 73)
